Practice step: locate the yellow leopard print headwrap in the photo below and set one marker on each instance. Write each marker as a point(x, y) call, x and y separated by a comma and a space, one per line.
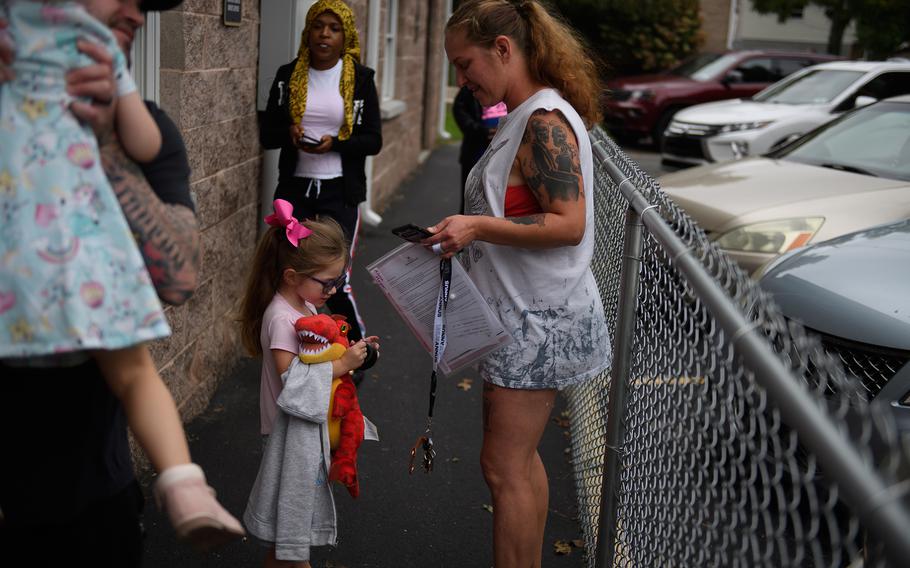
point(349, 54)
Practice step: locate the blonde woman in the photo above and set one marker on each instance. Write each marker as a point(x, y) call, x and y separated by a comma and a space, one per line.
point(527, 240)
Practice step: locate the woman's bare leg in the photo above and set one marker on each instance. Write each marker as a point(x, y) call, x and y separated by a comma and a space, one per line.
point(542, 490)
point(150, 410)
point(514, 421)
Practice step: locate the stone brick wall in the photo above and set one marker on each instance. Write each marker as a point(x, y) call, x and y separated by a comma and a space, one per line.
point(417, 85)
point(715, 23)
point(208, 87)
point(435, 60)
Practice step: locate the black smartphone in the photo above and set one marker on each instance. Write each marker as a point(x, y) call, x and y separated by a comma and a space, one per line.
point(412, 233)
point(308, 142)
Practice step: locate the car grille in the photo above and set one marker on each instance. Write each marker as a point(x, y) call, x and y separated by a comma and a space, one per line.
point(683, 146)
point(691, 129)
point(620, 95)
point(873, 366)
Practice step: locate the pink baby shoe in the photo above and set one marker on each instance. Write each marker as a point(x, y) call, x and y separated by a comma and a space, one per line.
point(195, 514)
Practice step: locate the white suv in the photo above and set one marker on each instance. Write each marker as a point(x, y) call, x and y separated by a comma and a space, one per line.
point(784, 111)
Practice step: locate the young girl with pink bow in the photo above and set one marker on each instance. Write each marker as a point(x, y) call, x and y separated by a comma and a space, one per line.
point(298, 266)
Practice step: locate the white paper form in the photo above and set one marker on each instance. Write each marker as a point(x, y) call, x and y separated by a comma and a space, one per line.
point(409, 278)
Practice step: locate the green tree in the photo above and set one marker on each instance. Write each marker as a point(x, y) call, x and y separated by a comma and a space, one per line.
point(635, 37)
point(881, 25)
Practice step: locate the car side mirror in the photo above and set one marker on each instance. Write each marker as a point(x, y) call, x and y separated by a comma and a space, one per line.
point(732, 76)
point(863, 100)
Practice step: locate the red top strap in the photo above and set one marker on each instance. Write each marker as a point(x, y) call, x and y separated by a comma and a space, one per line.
point(520, 201)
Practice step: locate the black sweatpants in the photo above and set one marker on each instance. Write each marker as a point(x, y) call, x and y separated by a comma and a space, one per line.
point(311, 198)
point(107, 534)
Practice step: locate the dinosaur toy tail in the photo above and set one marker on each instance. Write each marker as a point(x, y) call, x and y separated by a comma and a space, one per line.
point(344, 464)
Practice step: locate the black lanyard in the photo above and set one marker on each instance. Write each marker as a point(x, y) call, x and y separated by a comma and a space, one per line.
point(425, 442)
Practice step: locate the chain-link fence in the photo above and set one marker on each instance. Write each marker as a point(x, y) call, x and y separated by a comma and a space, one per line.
point(732, 438)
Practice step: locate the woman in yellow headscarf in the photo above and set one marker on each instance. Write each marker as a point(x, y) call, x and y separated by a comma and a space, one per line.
point(323, 112)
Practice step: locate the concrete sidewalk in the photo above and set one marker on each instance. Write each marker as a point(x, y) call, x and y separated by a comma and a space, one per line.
point(436, 520)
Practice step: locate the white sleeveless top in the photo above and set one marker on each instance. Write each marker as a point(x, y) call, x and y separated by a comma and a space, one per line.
point(546, 298)
point(324, 114)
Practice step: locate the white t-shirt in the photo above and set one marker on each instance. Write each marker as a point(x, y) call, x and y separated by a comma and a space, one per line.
point(546, 298)
point(277, 333)
point(324, 114)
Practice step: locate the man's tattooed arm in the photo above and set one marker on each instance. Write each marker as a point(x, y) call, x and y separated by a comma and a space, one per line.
point(167, 234)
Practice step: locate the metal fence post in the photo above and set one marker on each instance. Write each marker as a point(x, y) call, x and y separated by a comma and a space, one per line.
point(622, 364)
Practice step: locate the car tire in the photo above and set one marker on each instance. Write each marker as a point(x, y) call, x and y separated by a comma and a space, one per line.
point(657, 135)
point(625, 138)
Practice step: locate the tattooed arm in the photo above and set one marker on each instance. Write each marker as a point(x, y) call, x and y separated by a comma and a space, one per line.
point(548, 163)
point(167, 234)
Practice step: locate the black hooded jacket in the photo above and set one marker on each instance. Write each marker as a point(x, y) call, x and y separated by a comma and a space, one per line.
point(365, 139)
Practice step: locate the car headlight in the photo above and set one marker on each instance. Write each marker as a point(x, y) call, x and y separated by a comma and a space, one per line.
point(641, 95)
point(773, 237)
point(771, 264)
point(738, 126)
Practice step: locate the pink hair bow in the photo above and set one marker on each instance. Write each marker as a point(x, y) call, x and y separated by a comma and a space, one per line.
point(282, 217)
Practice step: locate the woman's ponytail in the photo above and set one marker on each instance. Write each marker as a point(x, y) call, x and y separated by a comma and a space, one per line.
point(560, 59)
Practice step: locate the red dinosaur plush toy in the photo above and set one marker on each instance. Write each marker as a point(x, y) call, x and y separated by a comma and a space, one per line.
point(324, 338)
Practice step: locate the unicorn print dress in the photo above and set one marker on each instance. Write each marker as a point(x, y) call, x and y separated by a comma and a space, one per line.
point(71, 275)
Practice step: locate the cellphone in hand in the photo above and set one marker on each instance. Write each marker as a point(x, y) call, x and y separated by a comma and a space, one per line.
point(412, 233)
point(308, 142)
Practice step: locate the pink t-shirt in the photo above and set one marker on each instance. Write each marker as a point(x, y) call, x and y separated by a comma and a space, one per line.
point(277, 333)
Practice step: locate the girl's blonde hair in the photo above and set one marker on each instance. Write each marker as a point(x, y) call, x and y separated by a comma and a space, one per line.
point(273, 256)
point(557, 56)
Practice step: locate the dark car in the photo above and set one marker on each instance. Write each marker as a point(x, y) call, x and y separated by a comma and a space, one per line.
point(642, 105)
point(853, 292)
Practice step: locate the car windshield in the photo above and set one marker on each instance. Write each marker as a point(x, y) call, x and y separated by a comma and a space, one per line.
point(874, 140)
point(816, 87)
point(703, 67)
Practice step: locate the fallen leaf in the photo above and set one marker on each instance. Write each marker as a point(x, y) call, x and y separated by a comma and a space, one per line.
point(465, 384)
point(578, 543)
point(562, 548)
point(488, 508)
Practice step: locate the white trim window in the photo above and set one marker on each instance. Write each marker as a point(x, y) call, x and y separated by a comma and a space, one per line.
point(390, 51)
point(145, 58)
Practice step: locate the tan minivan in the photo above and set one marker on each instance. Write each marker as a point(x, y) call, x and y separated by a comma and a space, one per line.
point(847, 175)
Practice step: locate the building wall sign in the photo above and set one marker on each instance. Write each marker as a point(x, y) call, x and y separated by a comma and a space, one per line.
point(232, 12)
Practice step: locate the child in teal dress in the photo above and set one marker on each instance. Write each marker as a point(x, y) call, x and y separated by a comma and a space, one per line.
point(72, 281)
